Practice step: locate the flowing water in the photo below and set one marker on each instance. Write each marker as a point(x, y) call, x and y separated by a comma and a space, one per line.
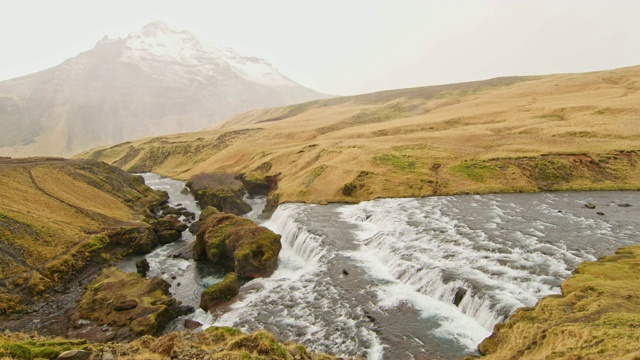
point(407, 278)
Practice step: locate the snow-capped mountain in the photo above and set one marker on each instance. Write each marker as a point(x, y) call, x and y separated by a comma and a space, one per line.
point(158, 81)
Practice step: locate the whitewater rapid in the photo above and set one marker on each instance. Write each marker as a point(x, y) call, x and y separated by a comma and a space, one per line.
point(415, 278)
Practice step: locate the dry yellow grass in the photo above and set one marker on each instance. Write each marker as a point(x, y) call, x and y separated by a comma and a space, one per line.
point(50, 210)
point(476, 137)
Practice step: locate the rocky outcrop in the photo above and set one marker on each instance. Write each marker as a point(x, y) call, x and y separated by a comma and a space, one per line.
point(219, 190)
point(168, 229)
point(237, 242)
point(225, 200)
point(121, 306)
point(259, 182)
point(220, 292)
point(596, 317)
point(206, 213)
point(180, 211)
point(140, 239)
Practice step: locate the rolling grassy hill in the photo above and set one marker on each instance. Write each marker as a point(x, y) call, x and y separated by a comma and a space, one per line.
point(556, 132)
point(56, 220)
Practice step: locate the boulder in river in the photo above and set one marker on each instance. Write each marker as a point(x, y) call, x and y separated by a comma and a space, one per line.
point(237, 242)
point(220, 292)
point(220, 190)
point(142, 267)
point(204, 215)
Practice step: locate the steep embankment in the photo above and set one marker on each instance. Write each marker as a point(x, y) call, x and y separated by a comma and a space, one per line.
point(60, 222)
point(572, 131)
point(596, 317)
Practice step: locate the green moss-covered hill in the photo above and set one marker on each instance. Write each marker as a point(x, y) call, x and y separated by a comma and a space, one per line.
point(60, 222)
point(556, 132)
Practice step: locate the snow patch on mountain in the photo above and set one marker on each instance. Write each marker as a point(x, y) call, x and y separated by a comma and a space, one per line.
point(158, 44)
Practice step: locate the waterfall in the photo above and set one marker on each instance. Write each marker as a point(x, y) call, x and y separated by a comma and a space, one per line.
point(487, 271)
point(288, 221)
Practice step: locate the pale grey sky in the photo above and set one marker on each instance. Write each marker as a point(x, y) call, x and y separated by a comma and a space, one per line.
point(349, 46)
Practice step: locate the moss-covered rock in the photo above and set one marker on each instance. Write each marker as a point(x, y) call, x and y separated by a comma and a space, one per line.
point(169, 222)
point(239, 243)
point(204, 215)
point(596, 317)
point(225, 200)
point(259, 182)
point(140, 239)
point(127, 300)
point(220, 292)
point(219, 190)
point(21, 346)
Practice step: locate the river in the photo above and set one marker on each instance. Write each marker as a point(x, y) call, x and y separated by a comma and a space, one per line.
point(405, 278)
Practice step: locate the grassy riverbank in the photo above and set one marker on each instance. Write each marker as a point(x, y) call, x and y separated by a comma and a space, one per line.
point(597, 316)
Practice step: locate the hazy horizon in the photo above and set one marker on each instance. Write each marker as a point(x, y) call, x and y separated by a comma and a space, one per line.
point(348, 47)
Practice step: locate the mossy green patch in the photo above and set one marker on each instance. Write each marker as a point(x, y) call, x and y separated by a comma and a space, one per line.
point(220, 292)
point(381, 114)
point(34, 349)
point(315, 173)
point(477, 171)
point(403, 163)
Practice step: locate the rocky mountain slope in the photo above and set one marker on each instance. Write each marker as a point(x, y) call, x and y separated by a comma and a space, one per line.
point(568, 131)
point(157, 81)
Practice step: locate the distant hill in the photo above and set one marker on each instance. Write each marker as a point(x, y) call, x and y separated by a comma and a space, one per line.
point(158, 81)
point(568, 131)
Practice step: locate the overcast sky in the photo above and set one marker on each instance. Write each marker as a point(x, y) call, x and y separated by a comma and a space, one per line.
point(347, 47)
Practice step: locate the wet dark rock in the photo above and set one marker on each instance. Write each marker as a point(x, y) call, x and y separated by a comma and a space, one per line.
point(624, 205)
point(75, 355)
point(184, 252)
point(189, 215)
point(589, 206)
point(600, 213)
point(142, 267)
point(182, 310)
point(345, 272)
point(369, 317)
point(459, 296)
point(167, 237)
point(126, 305)
point(191, 324)
point(170, 222)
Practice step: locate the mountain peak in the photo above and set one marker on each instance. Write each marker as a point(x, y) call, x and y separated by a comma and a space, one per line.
point(157, 27)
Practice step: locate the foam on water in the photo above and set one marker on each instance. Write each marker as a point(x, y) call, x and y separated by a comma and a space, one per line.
point(299, 301)
point(497, 255)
